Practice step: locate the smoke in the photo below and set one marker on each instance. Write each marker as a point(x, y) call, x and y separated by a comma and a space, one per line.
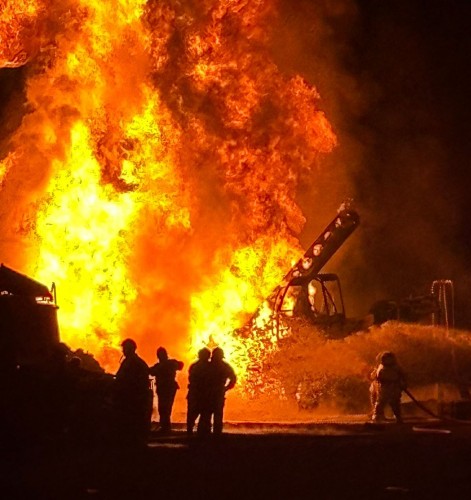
point(314, 378)
point(417, 200)
point(323, 376)
point(393, 83)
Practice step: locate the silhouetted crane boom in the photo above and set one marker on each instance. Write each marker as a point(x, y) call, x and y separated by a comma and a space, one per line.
point(324, 247)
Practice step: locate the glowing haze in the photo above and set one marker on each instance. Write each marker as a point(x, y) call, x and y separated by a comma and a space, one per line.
point(154, 173)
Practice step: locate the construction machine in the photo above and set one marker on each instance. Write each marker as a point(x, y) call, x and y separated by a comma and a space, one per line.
point(307, 293)
point(436, 307)
point(316, 298)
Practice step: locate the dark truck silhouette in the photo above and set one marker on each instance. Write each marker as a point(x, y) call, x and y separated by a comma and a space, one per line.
point(44, 390)
point(29, 329)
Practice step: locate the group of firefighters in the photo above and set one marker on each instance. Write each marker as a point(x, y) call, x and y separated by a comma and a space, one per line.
point(65, 399)
point(210, 377)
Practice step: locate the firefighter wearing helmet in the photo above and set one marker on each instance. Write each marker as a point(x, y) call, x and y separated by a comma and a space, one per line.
point(221, 378)
point(198, 389)
point(166, 386)
point(132, 396)
point(388, 382)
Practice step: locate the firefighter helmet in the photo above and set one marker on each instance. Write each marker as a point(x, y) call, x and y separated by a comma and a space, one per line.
point(388, 358)
point(217, 354)
point(128, 345)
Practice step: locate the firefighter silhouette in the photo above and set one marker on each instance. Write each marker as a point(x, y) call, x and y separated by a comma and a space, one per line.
point(132, 396)
point(197, 389)
point(388, 382)
point(166, 386)
point(221, 378)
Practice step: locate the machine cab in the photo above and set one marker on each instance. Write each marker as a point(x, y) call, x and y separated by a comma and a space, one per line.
point(319, 300)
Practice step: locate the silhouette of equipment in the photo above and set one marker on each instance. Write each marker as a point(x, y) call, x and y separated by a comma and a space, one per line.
point(28, 318)
point(324, 247)
point(327, 307)
point(305, 292)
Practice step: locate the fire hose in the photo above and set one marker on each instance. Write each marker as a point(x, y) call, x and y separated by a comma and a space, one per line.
point(433, 414)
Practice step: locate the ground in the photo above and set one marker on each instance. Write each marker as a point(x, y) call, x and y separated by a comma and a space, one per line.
point(422, 459)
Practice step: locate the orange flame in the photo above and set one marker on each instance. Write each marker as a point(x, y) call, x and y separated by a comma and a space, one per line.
point(19, 33)
point(155, 174)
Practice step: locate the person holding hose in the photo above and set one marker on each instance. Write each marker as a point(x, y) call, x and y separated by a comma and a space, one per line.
point(388, 382)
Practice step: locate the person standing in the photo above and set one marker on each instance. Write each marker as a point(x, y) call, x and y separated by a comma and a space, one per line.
point(221, 378)
point(197, 390)
point(388, 383)
point(132, 396)
point(166, 386)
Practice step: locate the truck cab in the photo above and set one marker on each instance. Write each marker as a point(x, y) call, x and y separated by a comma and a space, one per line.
point(29, 329)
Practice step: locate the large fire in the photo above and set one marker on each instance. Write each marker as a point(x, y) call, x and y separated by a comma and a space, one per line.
point(154, 172)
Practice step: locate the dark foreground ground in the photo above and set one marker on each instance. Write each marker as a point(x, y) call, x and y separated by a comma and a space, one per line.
point(420, 459)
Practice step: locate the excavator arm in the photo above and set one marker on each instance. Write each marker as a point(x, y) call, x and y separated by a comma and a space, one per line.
point(318, 254)
point(324, 247)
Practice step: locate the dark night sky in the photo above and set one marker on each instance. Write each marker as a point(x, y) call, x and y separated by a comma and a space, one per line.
point(417, 53)
point(394, 77)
